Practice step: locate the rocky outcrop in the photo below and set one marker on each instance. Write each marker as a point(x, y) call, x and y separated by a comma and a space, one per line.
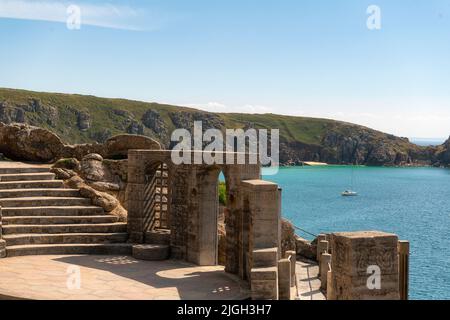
point(23, 142)
point(83, 120)
point(353, 144)
point(442, 154)
point(152, 119)
point(28, 143)
point(185, 120)
point(96, 181)
point(288, 241)
point(305, 248)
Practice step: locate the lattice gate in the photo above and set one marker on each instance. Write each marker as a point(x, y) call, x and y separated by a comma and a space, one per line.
point(157, 195)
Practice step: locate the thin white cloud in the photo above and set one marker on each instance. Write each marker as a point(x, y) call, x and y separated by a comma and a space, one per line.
point(101, 15)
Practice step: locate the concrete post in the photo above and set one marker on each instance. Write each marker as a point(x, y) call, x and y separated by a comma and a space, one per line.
point(2, 242)
point(403, 266)
point(330, 286)
point(325, 260)
point(320, 237)
point(284, 279)
point(322, 247)
point(292, 255)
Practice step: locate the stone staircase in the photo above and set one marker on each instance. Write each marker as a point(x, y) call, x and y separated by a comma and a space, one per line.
point(41, 216)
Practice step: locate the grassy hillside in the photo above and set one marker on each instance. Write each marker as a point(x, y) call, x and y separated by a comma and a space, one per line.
point(80, 119)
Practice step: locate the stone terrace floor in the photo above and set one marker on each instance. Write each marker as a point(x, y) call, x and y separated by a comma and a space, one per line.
point(113, 278)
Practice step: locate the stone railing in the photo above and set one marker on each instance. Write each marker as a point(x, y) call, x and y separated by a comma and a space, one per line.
point(349, 268)
point(2, 242)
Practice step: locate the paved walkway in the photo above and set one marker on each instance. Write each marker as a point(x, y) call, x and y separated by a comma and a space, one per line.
point(113, 278)
point(308, 284)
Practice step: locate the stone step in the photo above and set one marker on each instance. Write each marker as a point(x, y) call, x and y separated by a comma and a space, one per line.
point(27, 176)
point(16, 170)
point(31, 184)
point(64, 238)
point(66, 228)
point(52, 211)
point(34, 220)
point(41, 192)
point(49, 249)
point(44, 201)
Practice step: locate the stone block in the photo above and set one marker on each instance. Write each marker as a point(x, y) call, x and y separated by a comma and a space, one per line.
point(160, 236)
point(265, 257)
point(362, 259)
point(151, 252)
point(356, 251)
point(269, 273)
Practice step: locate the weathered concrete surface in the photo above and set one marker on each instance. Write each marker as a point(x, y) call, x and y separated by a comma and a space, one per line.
point(115, 278)
point(308, 282)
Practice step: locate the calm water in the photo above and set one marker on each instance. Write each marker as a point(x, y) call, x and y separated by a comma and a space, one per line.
point(411, 202)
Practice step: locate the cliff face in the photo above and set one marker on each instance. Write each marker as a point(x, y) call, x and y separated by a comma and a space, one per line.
point(87, 119)
point(351, 144)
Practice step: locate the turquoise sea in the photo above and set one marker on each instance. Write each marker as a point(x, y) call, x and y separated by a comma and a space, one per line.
point(411, 202)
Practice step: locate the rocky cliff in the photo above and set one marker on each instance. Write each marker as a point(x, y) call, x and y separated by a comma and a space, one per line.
point(86, 119)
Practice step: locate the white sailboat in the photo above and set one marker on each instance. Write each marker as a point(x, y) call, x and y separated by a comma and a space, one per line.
point(350, 192)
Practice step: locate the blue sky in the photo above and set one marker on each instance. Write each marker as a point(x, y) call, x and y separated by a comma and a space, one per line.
point(297, 57)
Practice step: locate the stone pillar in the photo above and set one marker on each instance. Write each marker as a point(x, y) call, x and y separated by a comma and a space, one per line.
point(2, 242)
point(284, 279)
point(135, 205)
point(325, 260)
point(403, 255)
point(330, 292)
point(320, 237)
point(365, 266)
point(292, 255)
point(264, 237)
point(265, 216)
point(322, 247)
point(134, 196)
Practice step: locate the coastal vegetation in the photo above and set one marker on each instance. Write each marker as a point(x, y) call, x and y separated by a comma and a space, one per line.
point(86, 119)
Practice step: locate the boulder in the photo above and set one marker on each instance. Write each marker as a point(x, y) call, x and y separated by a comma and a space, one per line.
point(24, 142)
point(305, 248)
point(92, 167)
point(118, 146)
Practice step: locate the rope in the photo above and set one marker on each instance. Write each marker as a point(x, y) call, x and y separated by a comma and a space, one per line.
point(307, 232)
